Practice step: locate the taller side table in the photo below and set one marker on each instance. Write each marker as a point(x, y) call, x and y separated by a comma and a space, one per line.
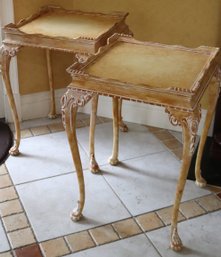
point(54, 28)
point(173, 77)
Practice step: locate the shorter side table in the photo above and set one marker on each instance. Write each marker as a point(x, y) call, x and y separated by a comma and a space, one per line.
point(173, 77)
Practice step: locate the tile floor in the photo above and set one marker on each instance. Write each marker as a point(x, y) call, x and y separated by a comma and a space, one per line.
point(128, 207)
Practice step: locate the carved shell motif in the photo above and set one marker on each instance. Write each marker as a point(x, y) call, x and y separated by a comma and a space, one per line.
point(189, 120)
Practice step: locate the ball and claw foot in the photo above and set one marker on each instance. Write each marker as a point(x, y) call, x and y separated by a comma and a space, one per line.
point(94, 167)
point(176, 243)
point(123, 127)
point(14, 151)
point(200, 182)
point(113, 161)
point(76, 215)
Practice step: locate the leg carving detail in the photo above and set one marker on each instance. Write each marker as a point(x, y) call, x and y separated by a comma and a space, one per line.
point(113, 160)
point(7, 52)
point(189, 122)
point(70, 102)
point(94, 168)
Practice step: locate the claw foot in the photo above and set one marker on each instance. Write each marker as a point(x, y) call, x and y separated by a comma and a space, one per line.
point(176, 243)
point(200, 182)
point(94, 168)
point(123, 127)
point(14, 151)
point(113, 161)
point(76, 215)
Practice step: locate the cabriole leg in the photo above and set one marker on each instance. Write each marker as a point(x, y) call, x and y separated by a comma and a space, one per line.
point(213, 93)
point(94, 168)
point(70, 102)
point(52, 113)
point(8, 52)
point(113, 160)
point(189, 123)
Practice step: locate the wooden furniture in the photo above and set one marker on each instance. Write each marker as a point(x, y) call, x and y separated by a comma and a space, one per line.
point(54, 28)
point(173, 77)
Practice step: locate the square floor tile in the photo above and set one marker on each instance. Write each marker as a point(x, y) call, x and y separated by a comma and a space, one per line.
point(4, 245)
point(138, 141)
point(21, 237)
point(200, 236)
point(41, 157)
point(149, 183)
point(49, 202)
point(55, 248)
point(137, 246)
point(104, 234)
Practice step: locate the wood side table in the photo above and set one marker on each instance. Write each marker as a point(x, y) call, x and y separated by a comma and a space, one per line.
point(54, 28)
point(173, 77)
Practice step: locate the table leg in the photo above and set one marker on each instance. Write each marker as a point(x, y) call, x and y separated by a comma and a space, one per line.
point(113, 160)
point(69, 105)
point(189, 123)
point(94, 168)
point(122, 125)
point(213, 94)
point(7, 53)
point(52, 113)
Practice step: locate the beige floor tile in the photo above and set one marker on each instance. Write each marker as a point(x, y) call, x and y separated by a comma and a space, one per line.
point(210, 203)
point(5, 181)
point(163, 135)
point(6, 254)
point(25, 133)
point(155, 129)
point(40, 130)
point(80, 241)
point(86, 122)
point(104, 234)
point(126, 228)
point(80, 124)
point(166, 214)
point(3, 169)
point(213, 189)
point(149, 221)
point(104, 119)
point(191, 209)
point(21, 237)
point(55, 248)
point(7, 194)
point(172, 144)
point(178, 152)
point(14, 222)
point(10, 207)
point(56, 127)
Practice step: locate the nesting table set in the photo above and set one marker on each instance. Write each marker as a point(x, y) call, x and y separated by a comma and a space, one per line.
point(118, 66)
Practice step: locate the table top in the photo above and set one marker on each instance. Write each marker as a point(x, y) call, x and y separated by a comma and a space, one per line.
point(53, 26)
point(70, 25)
point(149, 72)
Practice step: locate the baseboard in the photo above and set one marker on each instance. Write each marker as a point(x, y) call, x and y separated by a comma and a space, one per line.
point(37, 105)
